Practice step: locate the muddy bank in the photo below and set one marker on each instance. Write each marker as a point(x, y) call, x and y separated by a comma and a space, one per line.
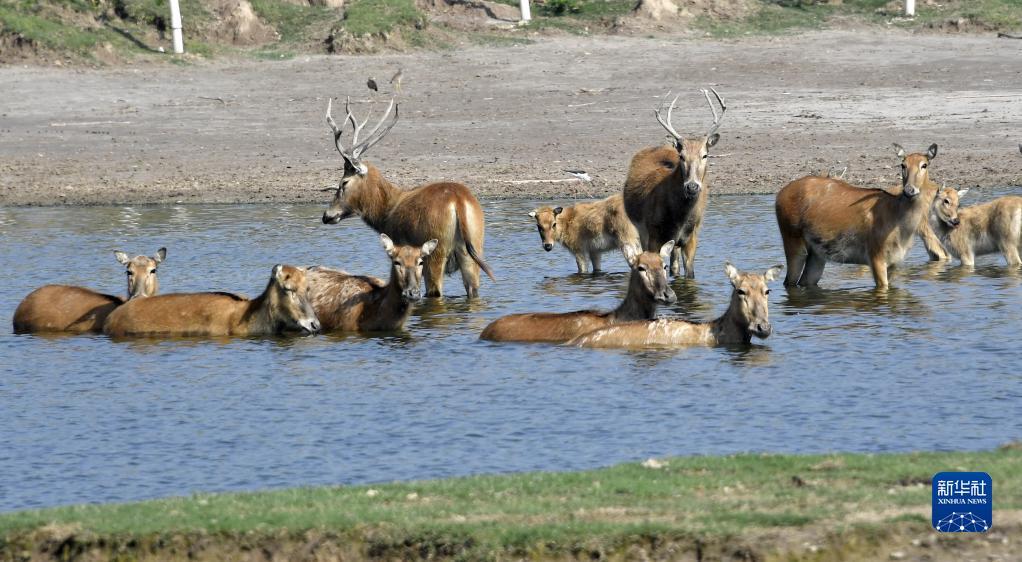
point(497, 117)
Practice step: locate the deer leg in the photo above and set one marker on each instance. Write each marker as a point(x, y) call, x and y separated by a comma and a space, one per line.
point(879, 266)
point(968, 258)
point(434, 273)
point(1010, 252)
point(594, 256)
point(795, 255)
point(580, 262)
point(676, 260)
point(469, 273)
point(690, 255)
point(813, 269)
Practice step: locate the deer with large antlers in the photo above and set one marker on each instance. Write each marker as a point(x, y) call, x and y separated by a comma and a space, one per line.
point(665, 193)
point(445, 211)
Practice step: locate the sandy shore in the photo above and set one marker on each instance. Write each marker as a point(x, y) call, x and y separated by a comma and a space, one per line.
point(496, 118)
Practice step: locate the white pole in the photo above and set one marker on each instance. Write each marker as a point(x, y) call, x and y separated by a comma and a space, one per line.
point(910, 8)
point(526, 12)
point(175, 26)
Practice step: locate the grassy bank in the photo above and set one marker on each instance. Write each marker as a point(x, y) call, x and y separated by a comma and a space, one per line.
point(113, 31)
point(769, 504)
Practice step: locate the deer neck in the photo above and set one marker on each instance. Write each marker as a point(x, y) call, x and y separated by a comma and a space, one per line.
point(377, 197)
point(729, 329)
point(391, 304)
point(566, 217)
point(638, 303)
point(255, 314)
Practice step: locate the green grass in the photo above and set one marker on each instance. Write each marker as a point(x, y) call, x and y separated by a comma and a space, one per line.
point(694, 497)
point(373, 17)
point(295, 23)
point(49, 33)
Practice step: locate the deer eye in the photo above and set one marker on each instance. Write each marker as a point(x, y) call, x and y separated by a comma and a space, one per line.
point(641, 268)
point(397, 262)
point(152, 271)
point(923, 165)
point(947, 201)
point(419, 263)
point(705, 156)
point(766, 292)
point(128, 273)
point(553, 225)
point(742, 292)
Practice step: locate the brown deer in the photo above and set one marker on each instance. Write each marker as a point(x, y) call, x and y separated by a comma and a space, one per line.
point(354, 303)
point(445, 211)
point(77, 310)
point(988, 228)
point(283, 306)
point(647, 286)
point(827, 219)
point(747, 316)
point(587, 230)
point(665, 193)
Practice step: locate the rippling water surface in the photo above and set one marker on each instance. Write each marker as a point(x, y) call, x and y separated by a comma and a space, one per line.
point(933, 364)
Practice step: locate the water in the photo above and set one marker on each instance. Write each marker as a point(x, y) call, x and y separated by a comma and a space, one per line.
point(933, 365)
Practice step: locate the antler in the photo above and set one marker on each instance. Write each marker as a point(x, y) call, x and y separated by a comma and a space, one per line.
point(666, 123)
point(723, 110)
point(375, 135)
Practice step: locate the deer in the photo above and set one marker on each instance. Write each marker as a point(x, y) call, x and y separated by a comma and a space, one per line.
point(77, 310)
point(828, 219)
point(647, 287)
point(353, 303)
point(748, 315)
point(987, 228)
point(665, 193)
point(587, 230)
point(445, 211)
point(283, 306)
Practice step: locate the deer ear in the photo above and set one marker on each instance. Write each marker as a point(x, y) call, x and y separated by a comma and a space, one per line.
point(121, 257)
point(665, 251)
point(388, 244)
point(900, 150)
point(773, 272)
point(532, 214)
point(278, 273)
point(631, 252)
point(429, 246)
point(931, 152)
point(962, 192)
point(732, 273)
point(161, 255)
point(558, 210)
point(712, 140)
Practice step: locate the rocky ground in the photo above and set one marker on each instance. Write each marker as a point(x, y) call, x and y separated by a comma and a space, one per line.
point(507, 120)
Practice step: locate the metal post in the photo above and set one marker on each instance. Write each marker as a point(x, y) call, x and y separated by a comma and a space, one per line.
point(175, 26)
point(526, 12)
point(910, 8)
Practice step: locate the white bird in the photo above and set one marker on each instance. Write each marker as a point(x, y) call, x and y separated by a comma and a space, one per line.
point(580, 174)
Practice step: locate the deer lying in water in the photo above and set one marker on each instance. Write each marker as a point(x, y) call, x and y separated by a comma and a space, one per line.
point(747, 316)
point(827, 219)
point(587, 230)
point(995, 226)
point(647, 286)
point(354, 303)
point(445, 211)
point(665, 193)
point(77, 310)
point(283, 306)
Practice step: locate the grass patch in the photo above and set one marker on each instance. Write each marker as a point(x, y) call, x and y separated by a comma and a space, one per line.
point(373, 17)
point(608, 508)
point(294, 23)
point(48, 33)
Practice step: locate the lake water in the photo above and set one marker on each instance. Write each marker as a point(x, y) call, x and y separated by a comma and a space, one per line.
point(932, 365)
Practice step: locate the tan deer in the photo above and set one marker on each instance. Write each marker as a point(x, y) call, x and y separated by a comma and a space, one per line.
point(827, 219)
point(647, 286)
point(283, 306)
point(747, 316)
point(77, 310)
point(666, 191)
point(987, 228)
point(587, 230)
point(445, 211)
point(355, 303)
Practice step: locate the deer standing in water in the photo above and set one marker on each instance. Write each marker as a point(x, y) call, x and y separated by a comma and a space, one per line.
point(987, 228)
point(665, 193)
point(77, 310)
point(587, 230)
point(827, 219)
point(647, 287)
point(356, 303)
point(446, 211)
point(283, 306)
point(747, 316)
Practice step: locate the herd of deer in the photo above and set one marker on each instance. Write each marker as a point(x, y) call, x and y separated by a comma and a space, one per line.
point(438, 228)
